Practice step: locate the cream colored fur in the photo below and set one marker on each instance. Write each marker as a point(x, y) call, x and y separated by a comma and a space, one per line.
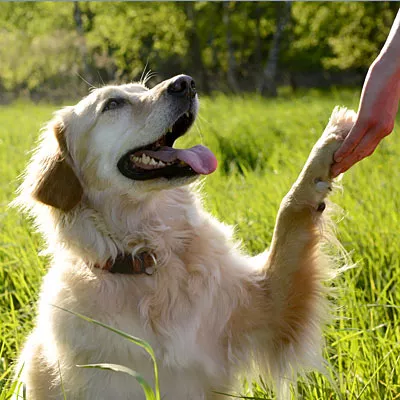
point(211, 313)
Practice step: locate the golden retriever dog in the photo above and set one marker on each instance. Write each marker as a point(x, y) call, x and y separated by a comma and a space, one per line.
point(132, 247)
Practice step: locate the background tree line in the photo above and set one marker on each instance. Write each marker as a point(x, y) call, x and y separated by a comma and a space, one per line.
point(46, 47)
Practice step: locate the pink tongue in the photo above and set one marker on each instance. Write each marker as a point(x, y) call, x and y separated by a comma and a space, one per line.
point(199, 158)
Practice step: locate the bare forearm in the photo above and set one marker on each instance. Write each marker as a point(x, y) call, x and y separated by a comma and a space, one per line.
point(391, 47)
point(389, 56)
point(378, 105)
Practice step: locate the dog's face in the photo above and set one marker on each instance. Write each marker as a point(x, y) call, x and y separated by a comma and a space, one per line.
point(120, 138)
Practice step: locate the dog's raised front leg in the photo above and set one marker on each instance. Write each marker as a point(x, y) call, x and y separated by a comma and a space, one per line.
point(294, 265)
point(295, 268)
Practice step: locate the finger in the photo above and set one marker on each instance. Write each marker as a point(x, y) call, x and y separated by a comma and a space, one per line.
point(343, 166)
point(364, 149)
point(350, 142)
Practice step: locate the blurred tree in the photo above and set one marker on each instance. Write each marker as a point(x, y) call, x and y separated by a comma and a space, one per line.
point(359, 40)
point(38, 44)
point(132, 35)
point(196, 61)
point(268, 82)
point(232, 46)
point(338, 35)
point(83, 48)
point(231, 70)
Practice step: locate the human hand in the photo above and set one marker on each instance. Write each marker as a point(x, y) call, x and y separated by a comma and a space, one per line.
point(375, 120)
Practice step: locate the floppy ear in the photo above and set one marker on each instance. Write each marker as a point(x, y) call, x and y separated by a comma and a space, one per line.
point(56, 184)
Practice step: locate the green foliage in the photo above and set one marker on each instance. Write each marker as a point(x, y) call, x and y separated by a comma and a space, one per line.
point(43, 45)
point(38, 44)
point(61, 59)
point(312, 26)
point(134, 34)
point(343, 35)
point(360, 39)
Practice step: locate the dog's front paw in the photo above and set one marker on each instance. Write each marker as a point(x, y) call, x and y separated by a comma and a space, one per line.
point(315, 181)
point(339, 125)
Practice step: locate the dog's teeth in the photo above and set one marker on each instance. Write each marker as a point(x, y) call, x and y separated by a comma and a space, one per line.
point(134, 158)
point(145, 159)
point(161, 164)
point(187, 114)
point(153, 162)
point(170, 129)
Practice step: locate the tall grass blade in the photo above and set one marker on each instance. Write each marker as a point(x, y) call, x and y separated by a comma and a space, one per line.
point(140, 342)
point(120, 368)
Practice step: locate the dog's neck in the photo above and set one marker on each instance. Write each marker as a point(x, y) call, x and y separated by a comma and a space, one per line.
point(106, 225)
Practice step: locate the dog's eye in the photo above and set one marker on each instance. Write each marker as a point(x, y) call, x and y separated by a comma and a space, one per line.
point(113, 104)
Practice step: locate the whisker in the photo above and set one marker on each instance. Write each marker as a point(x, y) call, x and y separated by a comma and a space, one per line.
point(98, 73)
point(199, 131)
point(141, 81)
point(150, 74)
point(200, 117)
point(91, 86)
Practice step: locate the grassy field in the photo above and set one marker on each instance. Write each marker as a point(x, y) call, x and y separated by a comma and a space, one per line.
point(261, 146)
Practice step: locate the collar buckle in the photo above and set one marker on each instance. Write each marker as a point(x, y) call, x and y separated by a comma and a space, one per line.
point(141, 263)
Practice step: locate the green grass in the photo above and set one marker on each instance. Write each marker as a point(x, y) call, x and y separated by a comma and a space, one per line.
point(261, 146)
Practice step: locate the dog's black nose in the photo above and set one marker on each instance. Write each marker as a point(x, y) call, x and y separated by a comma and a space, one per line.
point(182, 85)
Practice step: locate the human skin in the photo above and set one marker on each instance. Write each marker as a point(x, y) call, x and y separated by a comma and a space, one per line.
point(378, 105)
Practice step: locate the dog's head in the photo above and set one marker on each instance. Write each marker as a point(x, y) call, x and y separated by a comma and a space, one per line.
point(119, 138)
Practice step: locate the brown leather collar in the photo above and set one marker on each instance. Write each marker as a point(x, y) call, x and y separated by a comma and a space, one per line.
point(142, 263)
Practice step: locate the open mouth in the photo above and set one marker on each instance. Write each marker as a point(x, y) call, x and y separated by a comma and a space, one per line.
point(161, 160)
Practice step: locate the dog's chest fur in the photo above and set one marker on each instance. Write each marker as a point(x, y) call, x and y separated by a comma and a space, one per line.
point(177, 310)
